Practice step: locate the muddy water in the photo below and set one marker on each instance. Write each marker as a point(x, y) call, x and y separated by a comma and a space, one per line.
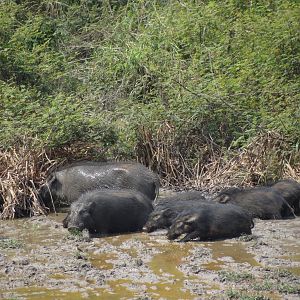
point(234, 251)
point(51, 264)
point(163, 264)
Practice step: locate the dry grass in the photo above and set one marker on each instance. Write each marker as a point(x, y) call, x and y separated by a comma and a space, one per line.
point(21, 172)
point(159, 153)
point(170, 155)
point(267, 157)
point(24, 168)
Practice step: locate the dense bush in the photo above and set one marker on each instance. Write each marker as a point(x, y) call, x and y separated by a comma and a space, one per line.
point(216, 73)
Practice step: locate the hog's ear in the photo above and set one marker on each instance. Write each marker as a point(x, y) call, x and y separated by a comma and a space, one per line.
point(92, 206)
point(54, 182)
point(191, 219)
point(57, 176)
point(224, 199)
point(50, 179)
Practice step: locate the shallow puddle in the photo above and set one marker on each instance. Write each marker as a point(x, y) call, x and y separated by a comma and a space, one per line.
point(59, 276)
point(32, 233)
point(117, 290)
point(102, 260)
point(50, 294)
point(166, 263)
point(235, 251)
point(168, 260)
point(214, 265)
point(294, 270)
point(163, 264)
point(293, 251)
point(293, 255)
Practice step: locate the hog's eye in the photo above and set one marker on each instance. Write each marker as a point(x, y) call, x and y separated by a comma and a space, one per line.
point(83, 212)
point(157, 217)
point(187, 226)
point(180, 224)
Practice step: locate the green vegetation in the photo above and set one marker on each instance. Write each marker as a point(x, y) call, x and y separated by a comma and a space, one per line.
point(235, 276)
point(234, 294)
point(75, 232)
point(278, 274)
point(174, 84)
point(6, 243)
point(266, 285)
point(287, 288)
point(251, 286)
point(97, 70)
point(80, 255)
point(77, 235)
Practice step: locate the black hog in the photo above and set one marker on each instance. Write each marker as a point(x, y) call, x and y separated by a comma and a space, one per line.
point(261, 202)
point(168, 208)
point(109, 211)
point(179, 197)
point(289, 189)
point(66, 185)
point(211, 222)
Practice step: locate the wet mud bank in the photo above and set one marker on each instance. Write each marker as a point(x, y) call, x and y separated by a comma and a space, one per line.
point(39, 259)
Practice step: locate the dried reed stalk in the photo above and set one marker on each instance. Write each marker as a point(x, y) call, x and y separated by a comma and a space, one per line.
point(160, 153)
point(22, 169)
point(264, 159)
point(267, 157)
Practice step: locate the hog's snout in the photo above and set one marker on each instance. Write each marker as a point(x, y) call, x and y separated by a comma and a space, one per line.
point(148, 228)
point(172, 235)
